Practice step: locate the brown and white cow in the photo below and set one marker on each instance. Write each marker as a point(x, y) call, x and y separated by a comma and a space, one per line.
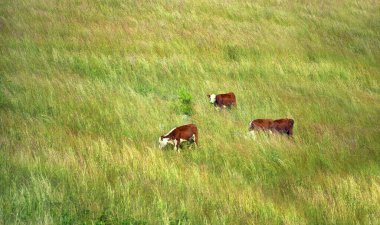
point(223, 100)
point(282, 126)
point(177, 135)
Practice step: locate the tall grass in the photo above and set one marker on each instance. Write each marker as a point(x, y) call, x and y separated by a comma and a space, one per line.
point(87, 87)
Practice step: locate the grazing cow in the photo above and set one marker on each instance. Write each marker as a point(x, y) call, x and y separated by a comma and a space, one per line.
point(282, 126)
point(178, 135)
point(223, 100)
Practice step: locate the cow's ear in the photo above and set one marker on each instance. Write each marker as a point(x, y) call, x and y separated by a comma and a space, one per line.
point(208, 96)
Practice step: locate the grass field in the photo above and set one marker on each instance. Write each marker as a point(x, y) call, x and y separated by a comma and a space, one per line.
point(87, 87)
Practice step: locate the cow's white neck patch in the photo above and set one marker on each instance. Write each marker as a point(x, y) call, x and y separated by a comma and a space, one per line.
point(212, 98)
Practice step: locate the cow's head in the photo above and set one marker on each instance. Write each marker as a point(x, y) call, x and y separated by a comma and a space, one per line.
point(212, 98)
point(162, 142)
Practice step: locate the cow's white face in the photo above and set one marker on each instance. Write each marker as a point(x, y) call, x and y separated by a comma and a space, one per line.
point(212, 98)
point(162, 142)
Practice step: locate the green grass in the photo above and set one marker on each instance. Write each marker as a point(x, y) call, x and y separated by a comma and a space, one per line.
point(87, 87)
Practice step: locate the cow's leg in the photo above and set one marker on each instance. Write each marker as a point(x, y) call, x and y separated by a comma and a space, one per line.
point(195, 137)
point(267, 132)
point(290, 133)
point(253, 133)
point(176, 145)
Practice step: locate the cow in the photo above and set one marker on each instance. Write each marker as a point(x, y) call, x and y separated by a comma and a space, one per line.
point(282, 126)
point(177, 135)
point(223, 100)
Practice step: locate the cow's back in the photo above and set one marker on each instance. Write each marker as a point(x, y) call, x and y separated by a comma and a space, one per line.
point(261, 124)
point(284, 123)
point(185, 131)
point(226, 99)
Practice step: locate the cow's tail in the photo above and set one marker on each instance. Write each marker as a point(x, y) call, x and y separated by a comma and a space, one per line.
point(291, 123)
point(290, 129)
point(196, 136)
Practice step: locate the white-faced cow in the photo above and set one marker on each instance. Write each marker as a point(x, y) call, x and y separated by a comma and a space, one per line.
point(282, 126)
point(178, 135)
point(223, 100)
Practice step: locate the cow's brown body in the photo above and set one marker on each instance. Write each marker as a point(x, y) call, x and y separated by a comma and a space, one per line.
point(224, 100)
point(182, 133)
point(282, 126)
point(260, 124)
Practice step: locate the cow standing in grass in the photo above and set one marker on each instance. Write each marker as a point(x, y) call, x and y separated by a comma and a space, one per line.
point(282, 126)
point(223, 100)
point(178, 135)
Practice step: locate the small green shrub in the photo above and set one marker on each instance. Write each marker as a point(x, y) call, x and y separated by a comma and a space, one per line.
point(184, 105)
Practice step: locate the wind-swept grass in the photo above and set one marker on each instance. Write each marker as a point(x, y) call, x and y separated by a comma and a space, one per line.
point(87, 87)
